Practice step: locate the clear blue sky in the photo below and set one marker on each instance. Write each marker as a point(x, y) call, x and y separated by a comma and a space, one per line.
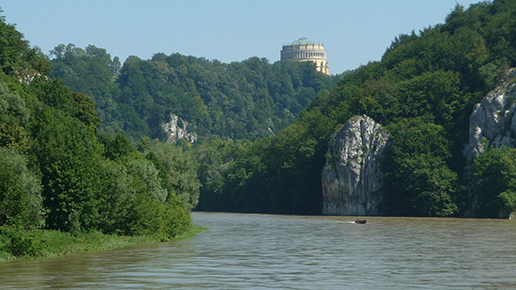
point(353, 31)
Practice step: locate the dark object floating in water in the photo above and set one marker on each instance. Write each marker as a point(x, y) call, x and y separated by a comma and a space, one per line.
point(360, 221)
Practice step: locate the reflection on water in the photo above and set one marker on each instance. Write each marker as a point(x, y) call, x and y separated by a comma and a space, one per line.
point(292, 252)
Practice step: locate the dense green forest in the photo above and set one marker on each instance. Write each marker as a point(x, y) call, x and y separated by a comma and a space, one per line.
point(422, 90)
point(239, 100)
point(59, 173)
point(81, 138)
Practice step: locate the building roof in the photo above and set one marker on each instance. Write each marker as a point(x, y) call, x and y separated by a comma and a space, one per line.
point(303, 41)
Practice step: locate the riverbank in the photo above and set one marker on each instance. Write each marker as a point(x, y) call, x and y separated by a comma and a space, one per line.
point(22, 245)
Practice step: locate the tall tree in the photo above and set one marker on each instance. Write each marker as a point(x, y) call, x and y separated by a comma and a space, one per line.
point(494, 183)
point(20, 191)
point(417, 180)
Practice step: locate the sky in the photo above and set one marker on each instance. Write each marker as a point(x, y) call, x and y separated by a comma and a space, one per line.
point(354, 32)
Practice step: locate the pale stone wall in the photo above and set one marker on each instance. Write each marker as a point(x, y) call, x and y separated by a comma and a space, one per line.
point(307, 52)
point(176, 131)
point(494, 118)
point(352, 183)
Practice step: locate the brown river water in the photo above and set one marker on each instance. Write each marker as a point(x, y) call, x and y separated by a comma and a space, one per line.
point(242, 251)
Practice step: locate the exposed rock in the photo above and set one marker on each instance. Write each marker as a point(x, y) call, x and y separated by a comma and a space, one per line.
point(494, 118)
point(28, 75)
point(351, 179)
point(176, 129)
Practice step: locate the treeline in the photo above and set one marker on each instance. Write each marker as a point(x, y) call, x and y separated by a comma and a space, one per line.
point(57, 172)
point(239, 100)
point(423, 91)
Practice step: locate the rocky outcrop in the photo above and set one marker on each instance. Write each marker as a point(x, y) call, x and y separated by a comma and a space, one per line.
point(493, 119)
point(351, 180)
point(176, 129)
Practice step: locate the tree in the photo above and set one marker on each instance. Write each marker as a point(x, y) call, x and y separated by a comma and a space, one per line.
point(117, 197)
point(20, 191)
point(17, 58)
point(237, 100)
point(178, 170)
point(14, 117)
point(214, 159)
point(117, 147)
point(417, 180)
point(68, 158)
point(150, 212)
point(493, 178)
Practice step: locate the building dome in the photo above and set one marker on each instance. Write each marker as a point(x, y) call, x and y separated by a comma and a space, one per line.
point(304, 49)
point(303, 41)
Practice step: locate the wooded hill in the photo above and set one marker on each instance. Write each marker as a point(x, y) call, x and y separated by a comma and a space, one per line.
point(239, 100)
point(57, 172)
point(250, 157)
point(422, 91)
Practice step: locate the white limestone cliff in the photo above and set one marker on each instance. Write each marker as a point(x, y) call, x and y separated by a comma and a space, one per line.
point(176, 129)
point(351, 179)
point(494, 118)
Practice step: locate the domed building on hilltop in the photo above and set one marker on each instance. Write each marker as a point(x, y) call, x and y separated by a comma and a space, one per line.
point(306, 50)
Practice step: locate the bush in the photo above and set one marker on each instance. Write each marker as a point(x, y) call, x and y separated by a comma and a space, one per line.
point(18, 242)
point(494, 182)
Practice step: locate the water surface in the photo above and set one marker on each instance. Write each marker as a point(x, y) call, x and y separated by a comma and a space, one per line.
point(292, 252)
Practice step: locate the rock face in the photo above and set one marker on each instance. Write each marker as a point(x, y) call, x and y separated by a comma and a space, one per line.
point(176, 129)
point(494, 118)
point(351, 180)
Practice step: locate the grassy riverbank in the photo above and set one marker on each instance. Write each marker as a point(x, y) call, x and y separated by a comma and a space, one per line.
point(16, 244)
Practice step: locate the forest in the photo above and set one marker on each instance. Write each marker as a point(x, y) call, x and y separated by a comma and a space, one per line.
point(83, 149)
point(422, 91)
point(60, 174)
point(239, 100)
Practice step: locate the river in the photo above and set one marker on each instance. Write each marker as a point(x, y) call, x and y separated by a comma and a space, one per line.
point(245, 251)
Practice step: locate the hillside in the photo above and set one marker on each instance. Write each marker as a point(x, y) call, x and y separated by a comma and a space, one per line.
point(422, 91)
point(263, 130)
point(239, 100)
point(58, 174)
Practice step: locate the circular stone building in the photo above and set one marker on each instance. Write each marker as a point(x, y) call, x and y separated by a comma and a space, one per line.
point(306, 50)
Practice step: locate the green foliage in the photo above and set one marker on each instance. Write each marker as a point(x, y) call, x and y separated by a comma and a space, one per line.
point(17, 58)
point(145, 179)
point(57, 172)
point(90, 71)
point(423, 90)
point(148, 216)
point(20, 191)
point(178, 169)
point(493, 181)
point(85, 110)
point(280, 174)
point(215, 158)
point(116, 147)
point(236, 100)
point(417, 180)
point(117, 197)
point(14, 117)
point(16, 241)
point(149, 212)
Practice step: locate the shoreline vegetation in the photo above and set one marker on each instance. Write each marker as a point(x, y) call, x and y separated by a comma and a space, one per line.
point(36, 244)
point(66, 184)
